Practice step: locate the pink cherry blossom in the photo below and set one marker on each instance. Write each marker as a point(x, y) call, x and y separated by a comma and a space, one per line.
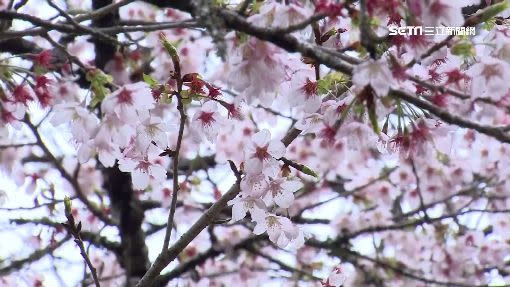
point(207, 122)
point(257, 72)
point(280, 230)
point(336, 278)
point(281, 191)
point(82, 122)
point(410, 145)
point(241, 205)
point(303, 91)
point(262, 153)
point(11, 113)
point(275, 14)
point(443, 13)
point(126, 101)
point(144, 168)
point(490, 78)
point(102, 145)
point(374, 73)
point(152, 129)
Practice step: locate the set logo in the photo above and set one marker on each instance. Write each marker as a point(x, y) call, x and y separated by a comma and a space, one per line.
point(431, 31)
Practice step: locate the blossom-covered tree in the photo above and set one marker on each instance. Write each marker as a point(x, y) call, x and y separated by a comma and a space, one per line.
point(254, 143)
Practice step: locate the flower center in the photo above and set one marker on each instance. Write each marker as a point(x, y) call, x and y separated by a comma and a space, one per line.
point(207, 118)
point(275, 188)
point(309, 88)
point(261, 153)
point(125, 97)
point(491, 71)
point(144, 166)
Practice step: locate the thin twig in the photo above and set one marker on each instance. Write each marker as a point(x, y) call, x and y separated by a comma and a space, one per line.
point(75, 230)
point(180, 107)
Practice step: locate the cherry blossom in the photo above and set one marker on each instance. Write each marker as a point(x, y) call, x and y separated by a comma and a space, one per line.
point(256, 71)
point(152, 129)
point(489, 78)
point(374, 73)
point(281, 191)
point(107, 153)
point(143, 167)
point(82, 122)
point(443, 13)
point(240, 206)
point(303, 91)
point(280, 230)
point(279, 15)
point(11, 113)
point(336, 278)
point(126, 101)
point(207, 121)
point(258, 142)
point(262, 153)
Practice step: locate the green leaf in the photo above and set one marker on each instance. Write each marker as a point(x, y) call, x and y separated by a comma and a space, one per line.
point(150, 80)
point(374, 22)
point(219, 3)
point(493, 11)
point(186, 101)
point(309, 171)
point(256, 6)
point(170, 49)
point(464, 49)
point(98, 85)
point(489, 24)
point(5, 73)
point(328, 34)
point(195, 181)
point(358, 109)
point(166, 98)
point(67, 205)
point(329, 81)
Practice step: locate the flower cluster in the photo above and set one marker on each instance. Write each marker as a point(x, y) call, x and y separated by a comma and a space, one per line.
point(390, 153)
point(264, 186)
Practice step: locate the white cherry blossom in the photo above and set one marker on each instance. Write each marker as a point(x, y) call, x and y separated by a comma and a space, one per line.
point(241, 205)
point(152, 129)
point(280, 230)
point(261, 154)
point(374, 73)
point(490, 78)
point(129, 99)
point(207, 122)
point(143, 167)
point(281, 191)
